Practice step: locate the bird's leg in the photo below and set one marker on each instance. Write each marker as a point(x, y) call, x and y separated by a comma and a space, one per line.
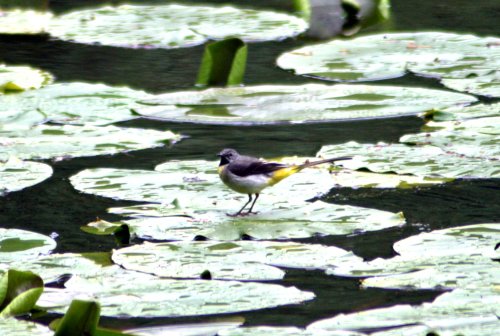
point(254, 200)
point(239, 212)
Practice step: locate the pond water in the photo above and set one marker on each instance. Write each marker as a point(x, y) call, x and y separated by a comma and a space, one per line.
point(54, 206)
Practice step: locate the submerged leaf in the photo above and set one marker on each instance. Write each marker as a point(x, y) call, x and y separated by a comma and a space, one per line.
point(172, 26)
point(274, 104)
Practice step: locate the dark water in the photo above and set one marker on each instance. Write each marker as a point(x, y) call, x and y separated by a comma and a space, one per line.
point(54, 206)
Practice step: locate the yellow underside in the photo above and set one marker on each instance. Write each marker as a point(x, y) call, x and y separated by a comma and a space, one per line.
point(282, 173)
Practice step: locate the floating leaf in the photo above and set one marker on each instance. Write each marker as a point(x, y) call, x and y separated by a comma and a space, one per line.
point(16, 174)
point(425, 161)
point(463, 113)
point(361, 179)
point(449, 258)
point(242, 260)
point(69, 103)
point(44, 141)
point(464, 61)
point(15, 327)
point(453, 312)
point(473, 138)
point(172, 26)
point(284, 331)
point(19, 21)
point(223, 63)
point(20, 78)
point(81, 318)
point(193, 190)
point(272, 104)
point(131, 294)
point(203, 328)
point(52, 267)
point(22, 245)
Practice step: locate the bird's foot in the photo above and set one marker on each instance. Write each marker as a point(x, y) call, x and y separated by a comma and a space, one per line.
point(242, 214)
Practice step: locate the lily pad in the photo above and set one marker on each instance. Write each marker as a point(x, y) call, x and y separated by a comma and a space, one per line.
point(46, 141)
point(52, 267)
point(463, 113)
point(18, 21)
point(69, 103)
point(272, 104)
point(473, 138)
point(16, 174)
point(21, 245)
point(465, 62)
point(172, 26)
point(425, 161)
point(454, 311)
point(362, 179)
point(446, 259)
point(14, 327)
point(283, 331)
point(242, 260)
point(195, 202)
point(20, 78)
point(131, 294)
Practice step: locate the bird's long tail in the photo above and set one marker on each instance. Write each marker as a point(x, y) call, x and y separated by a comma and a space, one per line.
point(284, 172)
point(314, 163)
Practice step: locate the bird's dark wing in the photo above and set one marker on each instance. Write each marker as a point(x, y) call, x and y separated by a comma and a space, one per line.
point(250, 166)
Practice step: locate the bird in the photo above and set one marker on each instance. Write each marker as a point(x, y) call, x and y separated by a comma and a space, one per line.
point(250, 175)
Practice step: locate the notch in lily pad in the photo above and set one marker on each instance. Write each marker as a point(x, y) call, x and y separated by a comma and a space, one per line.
point(223, 63)
point(19, 291)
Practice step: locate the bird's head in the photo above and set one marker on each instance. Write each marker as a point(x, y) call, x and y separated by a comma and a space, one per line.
point(227, 155)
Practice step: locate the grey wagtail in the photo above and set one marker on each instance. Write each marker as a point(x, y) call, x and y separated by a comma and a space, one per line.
point(249, 175)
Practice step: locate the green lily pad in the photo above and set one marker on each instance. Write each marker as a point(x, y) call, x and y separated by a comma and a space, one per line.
point(271, 104)
point(20, 78)
point(69, 103)
point(486, 85)
point(14, 327)
point(45, 141)
point(454, 311)
point(131, 294)
point(242, 260)
point(195, 202)
point(473, 138)
point(283, 331)
point(16, 174)
point(21, 245)
point(18, 21)
point(465, 62)
point(51, 267)
point(450, 258)
point(210, 327)
point(424, 161)
point(481, 326)
point(172, 26)
point(362, 179)
point(463, 113)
